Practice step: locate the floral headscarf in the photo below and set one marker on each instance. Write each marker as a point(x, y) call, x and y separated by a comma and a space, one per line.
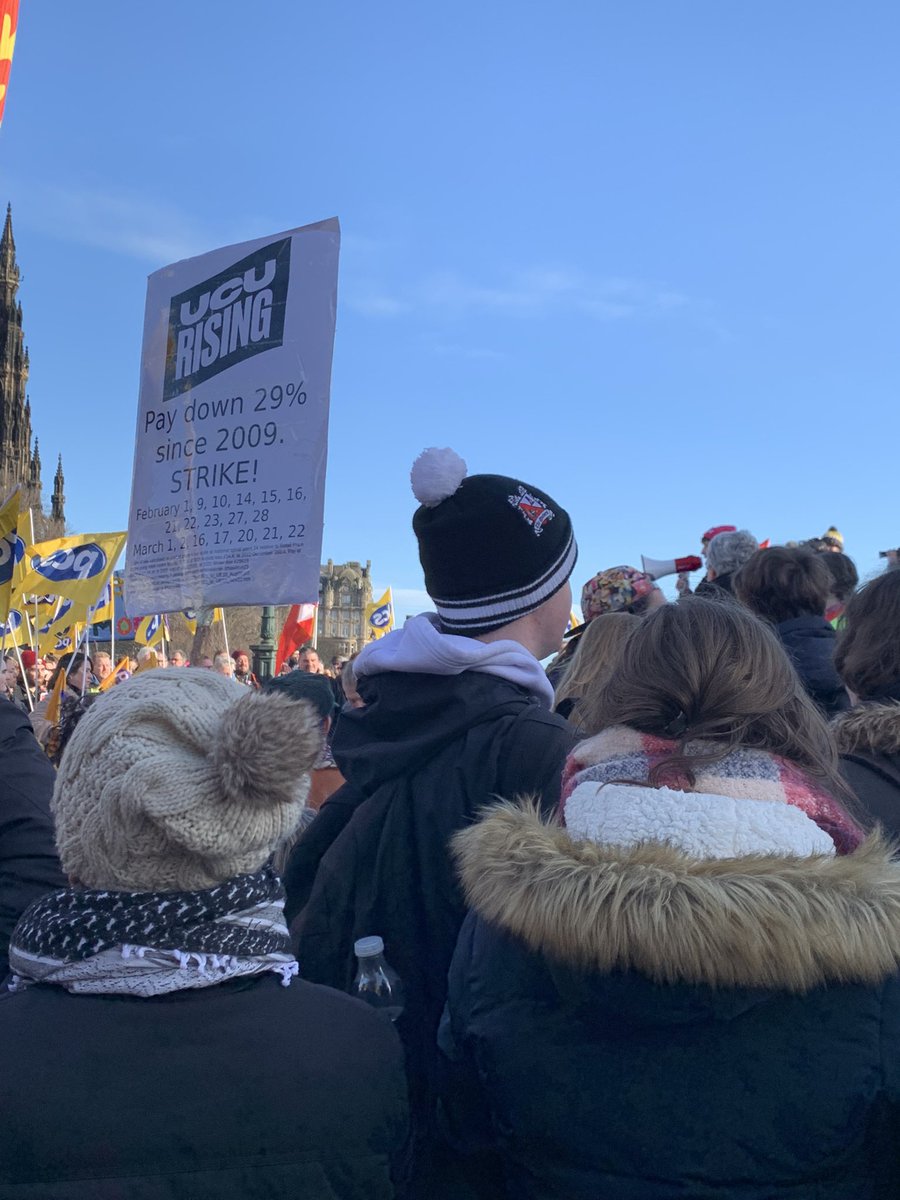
point(614, 590)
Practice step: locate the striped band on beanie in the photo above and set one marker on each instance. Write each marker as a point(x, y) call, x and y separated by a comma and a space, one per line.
point(491, 612)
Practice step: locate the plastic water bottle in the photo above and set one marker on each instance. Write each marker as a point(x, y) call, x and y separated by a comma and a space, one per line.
point(376, 982)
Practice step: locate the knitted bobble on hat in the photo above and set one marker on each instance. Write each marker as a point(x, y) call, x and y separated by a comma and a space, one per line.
point(436, 475)
point(178, 780)
point(264, 745)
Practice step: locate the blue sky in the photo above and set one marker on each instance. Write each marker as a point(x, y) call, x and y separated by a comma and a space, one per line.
point(643, 255)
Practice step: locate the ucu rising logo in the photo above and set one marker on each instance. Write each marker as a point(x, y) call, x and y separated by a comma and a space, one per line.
point(12, 549)
point(225, 319)
point(79, 563)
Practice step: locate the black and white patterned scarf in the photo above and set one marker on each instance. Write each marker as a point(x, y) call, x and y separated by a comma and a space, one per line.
point(149, 943)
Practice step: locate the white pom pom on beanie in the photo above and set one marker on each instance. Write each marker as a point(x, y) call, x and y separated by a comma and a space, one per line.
point(436, 475)
point(181, 779)
point(492, 547)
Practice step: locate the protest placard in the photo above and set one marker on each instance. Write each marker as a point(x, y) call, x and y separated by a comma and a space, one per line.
point(232, 432)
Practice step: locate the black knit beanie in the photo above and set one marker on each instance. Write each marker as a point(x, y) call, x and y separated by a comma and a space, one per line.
point(492, 548)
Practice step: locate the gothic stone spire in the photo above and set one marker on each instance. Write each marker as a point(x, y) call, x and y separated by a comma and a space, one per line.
point(58, 503)
point(15, 423)
point(9, 271)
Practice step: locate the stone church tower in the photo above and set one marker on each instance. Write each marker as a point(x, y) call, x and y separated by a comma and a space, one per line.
point(19, 463)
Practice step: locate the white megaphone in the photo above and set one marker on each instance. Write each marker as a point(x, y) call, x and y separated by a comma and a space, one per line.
point(656, 568)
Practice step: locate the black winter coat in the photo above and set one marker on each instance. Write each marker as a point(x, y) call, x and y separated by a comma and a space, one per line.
point(421, 761)
point(810, 643)
point(742, 1068)
point(239, 1091)
point(29, 866)
point(718, 588)
point(868, 738)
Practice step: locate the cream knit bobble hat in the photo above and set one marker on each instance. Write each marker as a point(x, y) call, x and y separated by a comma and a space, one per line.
point(181, 779)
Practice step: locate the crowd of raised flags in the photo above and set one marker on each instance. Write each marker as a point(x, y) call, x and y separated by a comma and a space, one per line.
point(55, 595)
point(52, 592)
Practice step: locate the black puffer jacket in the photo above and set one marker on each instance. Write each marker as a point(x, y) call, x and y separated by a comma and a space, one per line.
point(29, 866)
point(755, 1054)
point(244, 1090)
point(810, 643)
point(421, 760)
point(868, 738)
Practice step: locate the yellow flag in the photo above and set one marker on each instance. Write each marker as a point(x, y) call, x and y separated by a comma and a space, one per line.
point(11, 549)
point(151, 630)
point(76, 567)
point(58, 640)
point(55, 701)
point(102, 608)
point(44, 607)
point(41, 609)
point(14, 630)
point(121, 665)
point(380, 617)
point(61, 616)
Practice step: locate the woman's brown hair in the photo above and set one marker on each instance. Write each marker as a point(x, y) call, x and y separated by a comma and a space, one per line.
point(784, 582)
point(69, 663)
point(868, 650)
point(596, 656)
point(708, 670)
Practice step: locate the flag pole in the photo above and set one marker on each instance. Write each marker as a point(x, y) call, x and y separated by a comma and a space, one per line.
point(32, 641)
point(225, 633)
point(24, 680)
point(87, 646)
point(37, 623)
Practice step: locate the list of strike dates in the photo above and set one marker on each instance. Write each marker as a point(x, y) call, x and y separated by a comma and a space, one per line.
point(261, 516)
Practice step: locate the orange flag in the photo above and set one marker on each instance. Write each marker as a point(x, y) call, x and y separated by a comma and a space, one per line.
point(9, 19)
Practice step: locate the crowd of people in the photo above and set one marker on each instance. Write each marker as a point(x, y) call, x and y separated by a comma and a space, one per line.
point(28, 678)
point(644, 902)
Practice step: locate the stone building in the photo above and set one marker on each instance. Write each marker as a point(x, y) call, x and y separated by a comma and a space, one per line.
point(344, 591)
point(20, 462)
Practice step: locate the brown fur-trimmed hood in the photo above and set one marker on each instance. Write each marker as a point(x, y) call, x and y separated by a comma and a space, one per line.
point(869, 729)
point(764, 921)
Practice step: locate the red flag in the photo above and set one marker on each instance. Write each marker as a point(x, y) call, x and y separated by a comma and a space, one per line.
point(298, 629)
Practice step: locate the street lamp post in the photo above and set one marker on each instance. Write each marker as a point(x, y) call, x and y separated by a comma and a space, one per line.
point(264, 650)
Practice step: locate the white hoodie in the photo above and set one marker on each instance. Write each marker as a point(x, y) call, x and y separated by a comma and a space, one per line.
point(420, 648)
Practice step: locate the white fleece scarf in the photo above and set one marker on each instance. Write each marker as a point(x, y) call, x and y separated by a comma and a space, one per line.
point(420, 648)
point(702, 824)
